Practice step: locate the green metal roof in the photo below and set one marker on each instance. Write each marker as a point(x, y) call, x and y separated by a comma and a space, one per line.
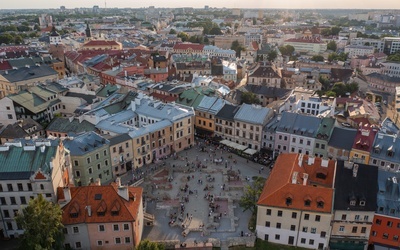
point(34, 102)
point(65, 126)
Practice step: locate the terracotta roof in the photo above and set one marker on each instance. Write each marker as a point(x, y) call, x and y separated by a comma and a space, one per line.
point(365, 137)
point(318, 187)
point(100, 199)
point(4, 65)
point(162, 97)
point(185, 46)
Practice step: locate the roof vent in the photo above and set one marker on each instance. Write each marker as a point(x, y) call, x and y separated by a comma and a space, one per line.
point(355, 170)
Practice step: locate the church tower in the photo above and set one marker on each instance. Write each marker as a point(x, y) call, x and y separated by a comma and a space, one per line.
point(88, 32)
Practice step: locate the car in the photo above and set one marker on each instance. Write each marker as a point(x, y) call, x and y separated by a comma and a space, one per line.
point(345, 124)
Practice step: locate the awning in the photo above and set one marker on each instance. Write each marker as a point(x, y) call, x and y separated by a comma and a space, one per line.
point(250, 151)
point(234, 145)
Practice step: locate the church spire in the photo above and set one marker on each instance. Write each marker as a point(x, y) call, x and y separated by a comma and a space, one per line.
point(88, 31)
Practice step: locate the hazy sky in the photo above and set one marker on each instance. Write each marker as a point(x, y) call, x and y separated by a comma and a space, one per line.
point(331, 4)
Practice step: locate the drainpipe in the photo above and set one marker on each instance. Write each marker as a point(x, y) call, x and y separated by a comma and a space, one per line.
point(298, 228)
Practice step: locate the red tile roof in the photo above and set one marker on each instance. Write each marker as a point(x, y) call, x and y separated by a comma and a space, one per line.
point(279, 185)
point(4, 65)
point(186, 46)
point(365, 137)
point(100, 199)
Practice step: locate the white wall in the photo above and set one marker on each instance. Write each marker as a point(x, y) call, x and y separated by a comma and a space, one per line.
point(6, 110)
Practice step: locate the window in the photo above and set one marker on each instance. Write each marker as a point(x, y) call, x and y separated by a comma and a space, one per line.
point(267, 224)
point(385, 236)
point(363, 230)
point(9, 116)
point(307, 203)
point(29, 187)
point(311, 242)
point(116, 227)
point(277, 237)
point(341, 229)
point(77, 173)
point(90, 170)
point(88, 160)
point(313, 230)
point(101, 228)
point(366, 217)
point(268, 211)
point(389, 223)
point(395, 237)
point(294, 215)
point(126, 226)
point(357, 217)
point(3, 201)
point(320, 204)
point(118, 240)
point(75, 230)
point(305, 229)
point(10, 187)
point(318, 218)
point(306, 216)
point(127, 240)
point(76, 163)
point(278, 225)
point(20, 188)
point(279, 213)
point(6, 214)
point(378, 221)
point(78, 245)
point(323, 234)
point(99, 242)
point(303, 241)
point(354, 230)
point(292, 227)
point(65, 230)
point(13, 201)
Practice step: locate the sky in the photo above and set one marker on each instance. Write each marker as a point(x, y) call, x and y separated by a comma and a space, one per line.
point(289, 4)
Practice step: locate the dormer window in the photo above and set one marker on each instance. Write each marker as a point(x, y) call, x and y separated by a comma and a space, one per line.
point(320, 204)
point(352, 202)
point(362, 203)
point(288, 201)
point(307, 203)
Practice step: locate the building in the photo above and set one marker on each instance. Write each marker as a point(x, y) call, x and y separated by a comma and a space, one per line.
point(385, 231)
point(378, 44)
point(29, 168)
point(107, 217)
point(354, 205)
point(121, 151)
point(265, 74)
point(90, 158)
point(225, 123)
point(296, 204)
point(323, 137)
point(363, 142)
point(357, 50)
point(383, 153)
point(205, 114)
point(225, 42)
point(307, 44)
point(250, 121)
point(391, 68)
point(102, 45)
point(341, 143)
point(391, 45)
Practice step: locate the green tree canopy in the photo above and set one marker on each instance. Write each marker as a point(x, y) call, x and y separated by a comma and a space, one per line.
point(172, 31)
point(251, 195)
point(250, 98)
point(184, 36)
point(394, 57)
point(272, 55)
point(41, 221)
point(332, 45)
point(317, 58)
point(149, 245)
point(339, 57)
point(286, 50)
point(342, 89)
point(237, 47)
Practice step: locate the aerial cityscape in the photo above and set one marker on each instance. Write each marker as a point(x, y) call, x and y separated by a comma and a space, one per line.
point(200, 125)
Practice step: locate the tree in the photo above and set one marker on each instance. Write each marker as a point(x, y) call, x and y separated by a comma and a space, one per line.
point(237, 47)
point(317, 58)
point(215, 31)
point(6, 38)
point(172, 31)
point(332, 45)
point(286, 50)
point(251, 195)
point(184, 36)
point(149, 245)
point(41, 221)
point(250, 98)
point(272, 55)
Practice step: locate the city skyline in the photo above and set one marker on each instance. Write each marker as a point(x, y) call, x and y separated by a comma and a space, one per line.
point(290, 4)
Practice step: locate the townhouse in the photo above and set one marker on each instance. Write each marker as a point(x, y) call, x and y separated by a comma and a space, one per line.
point(205, 114)
point(354, 205)
point(250, 121)
point(225, 123)
point(296, 204)
point(266, 74)
point(383, 152)
point(323, 136)
point(90, 158)
point(341, 143)
point(106, 217)
point(121, 152)
point(29, 168)
point(385, 231)
point(363, 142)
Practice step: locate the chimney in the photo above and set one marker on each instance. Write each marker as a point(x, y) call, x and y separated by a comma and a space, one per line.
point(98, 182)
point(133, 105)
point(118, 181)
point(89, 210)
point(355, 170)
point(311, 160)
point(42, 148)
point(123, 192)
point(294, 177)
point(305, 178)
point(67, 194)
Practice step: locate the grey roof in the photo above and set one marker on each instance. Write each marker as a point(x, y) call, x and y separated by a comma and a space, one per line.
point(227, 112)
point(386, 78)
point(119, 138)
point(363, 187)
point(272, 125)
point(389, 127)
point(384, 143)
point(269, 92)
point(252, 114)
point(64, 125)
point(85, 143)
point(162, 111)
point(135, 132)
point(24, 74)
point(342, 138)
point(88, 98)
point(306, 125)
point(388, 198)
point(116, 122)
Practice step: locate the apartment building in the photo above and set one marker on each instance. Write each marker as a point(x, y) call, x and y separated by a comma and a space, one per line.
point(358, 50)
point(354, 205)
point(90, 158)
point(323, 136)
point(383, 153)
point(106, 217)
point(265, 74)
point(363, 142)
point(296, 205)
point(341, 143)
point(29, 168)
point(121, 152)
point(205, 114)
point(250, 121)
point(225, 42)
point(225, 123)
